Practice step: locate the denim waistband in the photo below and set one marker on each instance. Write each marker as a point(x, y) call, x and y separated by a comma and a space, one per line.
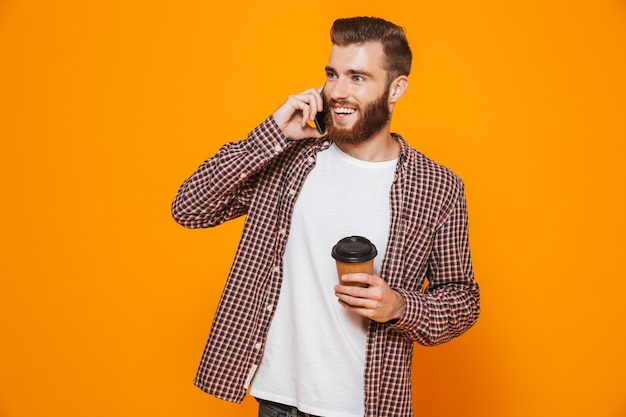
point(280, 410)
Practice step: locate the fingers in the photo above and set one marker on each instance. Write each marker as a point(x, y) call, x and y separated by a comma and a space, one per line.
point(309, 102)
point(361, 296)
point(361, 306)
point(364, 295)
point(294, 114)
point(378, 301)
point(361, 279)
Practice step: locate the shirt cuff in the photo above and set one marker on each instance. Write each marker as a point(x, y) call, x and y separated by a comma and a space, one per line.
point(413, 317)
point(268, 138)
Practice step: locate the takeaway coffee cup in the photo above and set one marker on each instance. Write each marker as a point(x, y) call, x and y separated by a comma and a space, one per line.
point(354, 254)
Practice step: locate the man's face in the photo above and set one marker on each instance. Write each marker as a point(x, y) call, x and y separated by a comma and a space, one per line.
point(356, 93)
point(370, 119)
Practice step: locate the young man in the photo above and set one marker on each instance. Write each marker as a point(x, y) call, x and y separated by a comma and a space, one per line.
point(284, 326)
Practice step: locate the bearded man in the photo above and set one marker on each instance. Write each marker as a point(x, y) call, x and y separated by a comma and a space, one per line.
point(286, 329)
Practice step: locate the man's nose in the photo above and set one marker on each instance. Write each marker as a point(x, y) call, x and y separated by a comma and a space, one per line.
point(340, 90)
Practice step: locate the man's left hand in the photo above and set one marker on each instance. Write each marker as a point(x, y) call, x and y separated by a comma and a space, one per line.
point(378, 301)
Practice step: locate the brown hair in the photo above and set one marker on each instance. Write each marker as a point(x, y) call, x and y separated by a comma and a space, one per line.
point(357, 30)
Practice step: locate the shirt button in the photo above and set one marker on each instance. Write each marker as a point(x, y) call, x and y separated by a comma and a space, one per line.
point(326, 143)
point(278, 148)
point(282, 232)
point(258, 346)
point(310, 159)
point(269, 307)
point(243, 175)
point(292, 192)
point(277, 268)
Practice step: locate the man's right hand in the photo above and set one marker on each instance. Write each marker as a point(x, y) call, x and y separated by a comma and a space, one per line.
point(293, 116)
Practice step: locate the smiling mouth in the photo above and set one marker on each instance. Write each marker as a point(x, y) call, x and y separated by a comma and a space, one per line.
point(344, 110)
point(342, 113)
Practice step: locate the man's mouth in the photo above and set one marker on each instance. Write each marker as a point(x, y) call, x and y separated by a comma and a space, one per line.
point(342, 113)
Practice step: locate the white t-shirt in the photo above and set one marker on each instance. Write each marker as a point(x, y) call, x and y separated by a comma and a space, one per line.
point(315, 353)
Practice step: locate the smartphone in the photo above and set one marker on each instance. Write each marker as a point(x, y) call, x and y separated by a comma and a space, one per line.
point(320, 118)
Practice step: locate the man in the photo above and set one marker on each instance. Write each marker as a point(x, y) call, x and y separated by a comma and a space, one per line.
point(285, 328)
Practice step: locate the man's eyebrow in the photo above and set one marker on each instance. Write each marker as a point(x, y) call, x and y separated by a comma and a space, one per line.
point(350, 72)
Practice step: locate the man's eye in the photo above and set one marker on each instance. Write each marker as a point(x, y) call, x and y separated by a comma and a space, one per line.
point(358, 78)
point(331, 75)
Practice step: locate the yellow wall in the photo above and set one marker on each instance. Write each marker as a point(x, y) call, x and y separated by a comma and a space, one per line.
point(106, 106)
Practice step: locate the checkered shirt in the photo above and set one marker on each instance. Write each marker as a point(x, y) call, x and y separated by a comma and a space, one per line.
point(260, 177)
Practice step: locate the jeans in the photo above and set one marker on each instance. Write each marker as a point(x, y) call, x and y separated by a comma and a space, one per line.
point(270, 409)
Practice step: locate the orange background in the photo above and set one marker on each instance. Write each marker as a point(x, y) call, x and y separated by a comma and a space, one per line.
point(106, 107)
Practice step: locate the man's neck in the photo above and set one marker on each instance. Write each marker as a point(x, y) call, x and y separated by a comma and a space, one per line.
point(378, 148)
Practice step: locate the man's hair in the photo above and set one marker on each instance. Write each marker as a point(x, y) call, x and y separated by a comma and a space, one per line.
point(358, 30)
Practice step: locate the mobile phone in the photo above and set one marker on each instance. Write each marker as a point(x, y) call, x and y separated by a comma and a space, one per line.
point(320, 117)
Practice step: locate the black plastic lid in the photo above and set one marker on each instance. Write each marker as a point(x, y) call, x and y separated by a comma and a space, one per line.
point(354, 250)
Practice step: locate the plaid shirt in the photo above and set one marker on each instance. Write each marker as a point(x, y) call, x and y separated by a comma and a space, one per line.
point(261, 177)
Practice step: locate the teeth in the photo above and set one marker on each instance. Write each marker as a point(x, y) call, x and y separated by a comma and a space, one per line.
point(344, 110)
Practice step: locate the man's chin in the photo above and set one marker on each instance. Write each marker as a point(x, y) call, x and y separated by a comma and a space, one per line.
point(345, 136)
point(344, 125)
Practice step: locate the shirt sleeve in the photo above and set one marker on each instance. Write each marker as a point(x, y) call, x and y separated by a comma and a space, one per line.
point(450, 305)
point(222, 186)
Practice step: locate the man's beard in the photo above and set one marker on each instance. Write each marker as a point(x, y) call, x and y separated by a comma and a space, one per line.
point(371, 119)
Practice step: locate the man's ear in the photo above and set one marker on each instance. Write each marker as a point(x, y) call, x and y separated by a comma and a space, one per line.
point(398, 88)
